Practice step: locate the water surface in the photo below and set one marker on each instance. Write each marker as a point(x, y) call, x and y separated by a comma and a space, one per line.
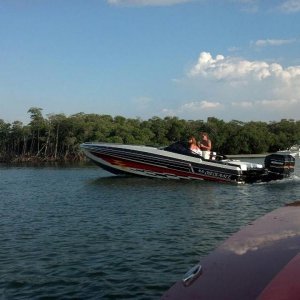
point(78, 232)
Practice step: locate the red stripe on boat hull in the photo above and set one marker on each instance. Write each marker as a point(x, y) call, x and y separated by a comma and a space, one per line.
point(160, 171)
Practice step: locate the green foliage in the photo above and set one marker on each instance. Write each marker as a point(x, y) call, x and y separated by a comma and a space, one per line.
point(58, 136)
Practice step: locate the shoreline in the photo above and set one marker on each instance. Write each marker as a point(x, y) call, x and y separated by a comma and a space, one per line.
point(233, 156)
point(79, 158)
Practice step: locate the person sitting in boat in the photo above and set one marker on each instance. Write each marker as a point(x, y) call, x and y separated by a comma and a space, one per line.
point(205, 145)
point(193, 146)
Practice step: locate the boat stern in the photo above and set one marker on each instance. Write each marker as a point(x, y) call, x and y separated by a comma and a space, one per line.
point(279, 166)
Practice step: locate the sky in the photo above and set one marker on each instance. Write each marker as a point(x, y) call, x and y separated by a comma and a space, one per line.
point(193, 59)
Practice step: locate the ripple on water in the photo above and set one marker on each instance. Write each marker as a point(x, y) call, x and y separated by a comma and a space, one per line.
point(70, 233)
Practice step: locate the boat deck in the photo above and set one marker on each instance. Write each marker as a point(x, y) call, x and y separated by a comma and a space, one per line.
point(246, 263)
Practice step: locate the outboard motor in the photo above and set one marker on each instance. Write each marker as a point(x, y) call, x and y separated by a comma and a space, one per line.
point(279, 166)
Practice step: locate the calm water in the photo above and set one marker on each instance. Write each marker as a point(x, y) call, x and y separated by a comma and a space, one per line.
point(80, 233)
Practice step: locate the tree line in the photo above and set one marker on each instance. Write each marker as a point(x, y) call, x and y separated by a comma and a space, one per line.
point(57, 136)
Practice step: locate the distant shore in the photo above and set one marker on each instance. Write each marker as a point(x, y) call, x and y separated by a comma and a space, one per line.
point(36, 159)
point(81, 158)
point(247, 155)
point(253, 155)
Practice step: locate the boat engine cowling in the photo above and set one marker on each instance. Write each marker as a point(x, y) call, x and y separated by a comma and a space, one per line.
point(280, 165)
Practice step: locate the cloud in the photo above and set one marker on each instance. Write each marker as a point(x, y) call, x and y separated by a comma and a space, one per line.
point(193, 109)
point(243, 104)
point(250, 6)
point(146, 2)
point(241, 88)
point(290, 6)
point(253, 6)
point(273, 42)
point(231, 68)
point(222, 68)
point(278, 103)
point(268, 104)
point(199, 105)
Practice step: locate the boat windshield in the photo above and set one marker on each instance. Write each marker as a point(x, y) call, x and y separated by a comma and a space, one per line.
point(181, 148)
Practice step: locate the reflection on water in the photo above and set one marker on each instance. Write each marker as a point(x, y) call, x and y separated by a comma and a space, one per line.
point(79, 232)
point(253, 244)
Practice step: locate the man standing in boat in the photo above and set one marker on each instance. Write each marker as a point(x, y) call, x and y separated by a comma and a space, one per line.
point(205, 145)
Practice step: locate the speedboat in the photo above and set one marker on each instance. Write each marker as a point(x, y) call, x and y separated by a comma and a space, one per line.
point(177, 161)
point(294, 151)
point(261, 261)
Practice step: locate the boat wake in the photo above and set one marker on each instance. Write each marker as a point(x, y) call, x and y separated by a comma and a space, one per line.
point(290, 180)
point(296, 178)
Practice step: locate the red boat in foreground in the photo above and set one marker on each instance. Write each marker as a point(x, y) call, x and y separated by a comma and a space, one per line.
point(261, 261)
